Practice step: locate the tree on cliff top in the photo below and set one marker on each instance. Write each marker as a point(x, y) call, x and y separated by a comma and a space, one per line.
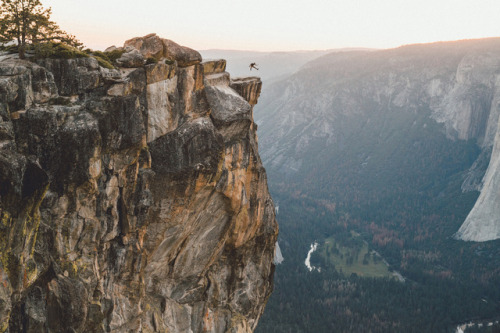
point(28, 23)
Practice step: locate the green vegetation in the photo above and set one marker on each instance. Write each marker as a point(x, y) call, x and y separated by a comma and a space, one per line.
point(106, 59)
point(112, 56)
point(103, 62)
point(351, 255)
point(58, 50)
point(100, 54)
point(28, 24)
point(430, 300)
point(398, 186)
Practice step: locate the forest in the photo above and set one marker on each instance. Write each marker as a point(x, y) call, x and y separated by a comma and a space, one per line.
point(401, 195)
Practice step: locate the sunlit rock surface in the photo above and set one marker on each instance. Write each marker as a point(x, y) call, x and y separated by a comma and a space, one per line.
point(131, 200)
point(249, 88)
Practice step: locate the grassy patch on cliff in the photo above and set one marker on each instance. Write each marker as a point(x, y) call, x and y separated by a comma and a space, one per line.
point(106, 59)
point(112, 56)
point(58, 51)
point(103, 62)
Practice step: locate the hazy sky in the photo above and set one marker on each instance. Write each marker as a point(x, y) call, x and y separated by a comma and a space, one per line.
point(278, 25)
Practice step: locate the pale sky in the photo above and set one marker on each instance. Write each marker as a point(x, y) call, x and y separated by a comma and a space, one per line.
point(277, 25)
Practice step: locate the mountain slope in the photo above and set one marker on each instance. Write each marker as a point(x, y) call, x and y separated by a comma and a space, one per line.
point(392, 146)
point(454, 84)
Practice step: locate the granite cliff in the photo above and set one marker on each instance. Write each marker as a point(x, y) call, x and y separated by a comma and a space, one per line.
point(132, 199)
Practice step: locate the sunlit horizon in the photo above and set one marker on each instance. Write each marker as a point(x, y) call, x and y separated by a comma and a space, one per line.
point(278, 25)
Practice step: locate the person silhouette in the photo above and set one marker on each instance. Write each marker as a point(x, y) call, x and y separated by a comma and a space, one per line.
point(253, 65)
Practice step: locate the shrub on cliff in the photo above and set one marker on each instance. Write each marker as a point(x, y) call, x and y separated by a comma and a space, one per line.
point(114, 55)
point(105, 59)
point(58, 51)
point(28, 24)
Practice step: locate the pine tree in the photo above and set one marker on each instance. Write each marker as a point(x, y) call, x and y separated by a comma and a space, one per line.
point(28, 23)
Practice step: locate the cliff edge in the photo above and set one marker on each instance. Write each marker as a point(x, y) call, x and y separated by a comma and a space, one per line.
point(132, 199)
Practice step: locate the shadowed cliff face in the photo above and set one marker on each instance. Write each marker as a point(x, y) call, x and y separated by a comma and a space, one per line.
point(131, 199)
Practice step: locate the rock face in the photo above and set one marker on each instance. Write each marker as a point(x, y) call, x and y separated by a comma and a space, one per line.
point(131, 200)
point(249, 88)
point(483, 222)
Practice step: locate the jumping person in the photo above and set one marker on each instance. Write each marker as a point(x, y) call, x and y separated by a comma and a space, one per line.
point(253, 65)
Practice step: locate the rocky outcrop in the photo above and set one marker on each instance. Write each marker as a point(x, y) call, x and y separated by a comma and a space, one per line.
point(249, 88)
point(152, 46)
point(468, 104)
point(131, 200)
point(132, 59)
point(483, 222)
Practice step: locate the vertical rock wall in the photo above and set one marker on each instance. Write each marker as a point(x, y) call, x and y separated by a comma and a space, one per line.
point(131, 200)
point(483, 222)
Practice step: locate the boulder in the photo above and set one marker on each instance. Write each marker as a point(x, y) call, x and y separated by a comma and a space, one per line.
point(111, 48)
point(150, 46)
point(182, 54)
point(231, 114)
point(131, 59)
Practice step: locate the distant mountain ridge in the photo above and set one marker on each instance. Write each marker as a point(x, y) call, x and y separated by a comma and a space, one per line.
point(394, 146)
point(456, 83)
point(272, 65)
